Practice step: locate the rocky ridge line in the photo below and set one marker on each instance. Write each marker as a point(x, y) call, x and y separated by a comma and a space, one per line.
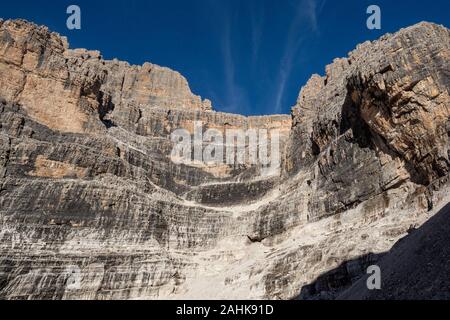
point(87, 181)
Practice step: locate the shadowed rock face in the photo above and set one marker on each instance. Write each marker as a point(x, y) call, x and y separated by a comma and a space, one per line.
point(89, 195)
point(417, 267)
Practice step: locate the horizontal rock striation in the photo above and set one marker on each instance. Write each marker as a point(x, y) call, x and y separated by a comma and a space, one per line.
point(93, 207)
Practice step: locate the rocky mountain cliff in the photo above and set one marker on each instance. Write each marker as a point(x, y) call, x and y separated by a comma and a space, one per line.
point(88, 190)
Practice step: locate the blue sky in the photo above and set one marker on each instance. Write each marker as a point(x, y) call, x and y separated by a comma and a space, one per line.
point(247, 56)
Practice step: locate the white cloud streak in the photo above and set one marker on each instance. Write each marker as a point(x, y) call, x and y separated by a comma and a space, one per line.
point(237, 98)
point(257, 17)
point(224, 17)
point(305, 10)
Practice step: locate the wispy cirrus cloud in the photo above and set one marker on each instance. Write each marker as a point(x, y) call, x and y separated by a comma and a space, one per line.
point(257, 17)
point(225, 17)
point(311, 9)
point(229, 66)
point(305, 20)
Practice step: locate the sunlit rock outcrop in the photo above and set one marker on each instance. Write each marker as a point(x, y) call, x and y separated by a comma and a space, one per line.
point(93, 207)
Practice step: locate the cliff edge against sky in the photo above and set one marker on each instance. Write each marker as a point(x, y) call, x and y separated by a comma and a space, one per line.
point(87, 185)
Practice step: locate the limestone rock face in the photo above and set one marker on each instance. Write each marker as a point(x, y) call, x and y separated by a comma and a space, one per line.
point(381, 113)
point(70, 89)
point(92, 206)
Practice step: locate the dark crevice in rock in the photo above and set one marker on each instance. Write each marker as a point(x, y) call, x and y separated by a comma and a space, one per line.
point(254, 239)
point(139, 116)
point(315, 149)
point(386, 69)
point(106, 107)
point(351, 119)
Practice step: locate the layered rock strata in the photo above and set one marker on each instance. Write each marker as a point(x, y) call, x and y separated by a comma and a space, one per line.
point(93, 207)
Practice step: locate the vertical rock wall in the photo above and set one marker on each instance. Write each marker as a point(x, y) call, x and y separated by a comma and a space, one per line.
point(88, 189)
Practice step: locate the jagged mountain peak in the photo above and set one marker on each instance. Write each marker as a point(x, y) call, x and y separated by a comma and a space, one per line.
point(88, 182)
